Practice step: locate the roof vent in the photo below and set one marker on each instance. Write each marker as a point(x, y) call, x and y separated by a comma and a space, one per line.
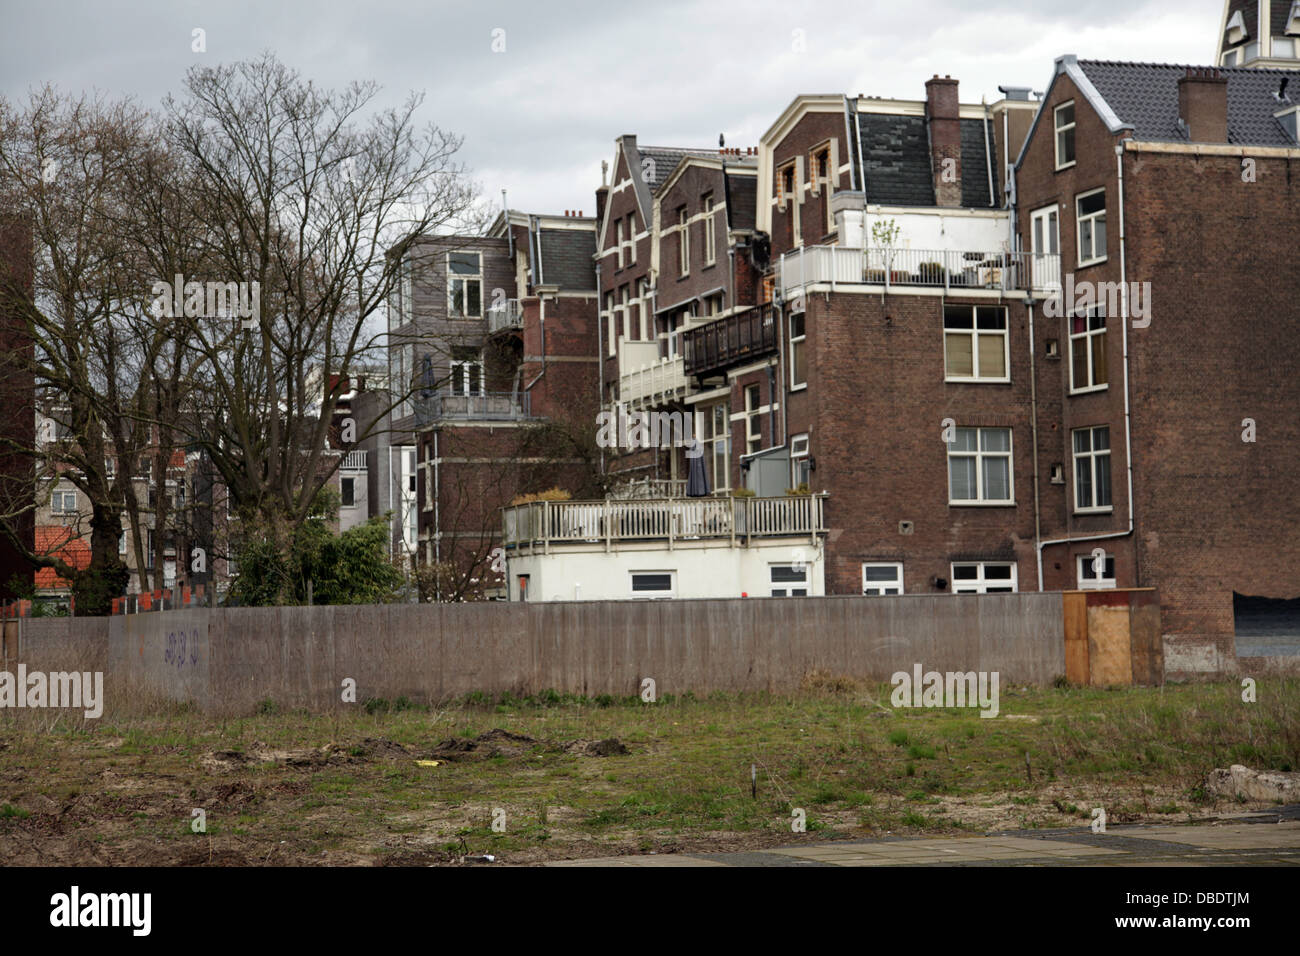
point(1015, 92)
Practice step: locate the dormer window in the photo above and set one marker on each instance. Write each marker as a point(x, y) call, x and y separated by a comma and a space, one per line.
point(1293, 20)
point(1290, 120)
point(1236, 30)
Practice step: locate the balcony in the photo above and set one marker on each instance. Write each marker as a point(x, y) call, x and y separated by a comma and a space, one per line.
point(442, 406)
point(723, 343)
point(354, 461)
point(506, 317)
point(539, 525)
point(954, 271)
point(646, 379)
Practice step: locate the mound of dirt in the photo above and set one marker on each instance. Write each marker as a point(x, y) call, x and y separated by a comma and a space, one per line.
point(609, 747)
point(380, 748)
point(493, 743)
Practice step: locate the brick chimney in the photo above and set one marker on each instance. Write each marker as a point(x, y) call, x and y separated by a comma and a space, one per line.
point(945, 139)
point(1203, 105)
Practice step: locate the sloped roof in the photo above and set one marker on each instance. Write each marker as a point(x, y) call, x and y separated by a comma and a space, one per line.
point(57, 541)
point(567, 258)
point(896, 153)
point(1145, 97)
point(742, 195)
point(666, 159)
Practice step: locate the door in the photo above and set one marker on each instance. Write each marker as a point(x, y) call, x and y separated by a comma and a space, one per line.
point(1045, 250)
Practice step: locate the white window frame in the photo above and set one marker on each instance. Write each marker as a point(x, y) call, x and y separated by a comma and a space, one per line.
point(783, 197)
point(58, 502)
point(822, 184)
point(455, 278)
point(799, 460)
point(1092, 217)
point(670, 593)
point(611, 323)
point(800, 340)
point(979, 455)
point(882, 588)
point(463, 370)
point(706, 430)
point(624, 319)
point(975, 333)
point(710, 233)
point(1087, 578)
point(631, 238)
point(1092, 455)
point(981, 583)
point(683, 241)
point(787, 588)
point(1084, 340)
point(1058, 129)
point(619, 226)
point(753, 419)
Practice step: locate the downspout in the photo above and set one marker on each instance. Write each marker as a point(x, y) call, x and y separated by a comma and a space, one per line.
point(862, 172)
point(510, 237)
point(1128, 443)
point(600, 351)
point(541, 319)
point(988, 153)
point(437, 515)
point(1033, 426)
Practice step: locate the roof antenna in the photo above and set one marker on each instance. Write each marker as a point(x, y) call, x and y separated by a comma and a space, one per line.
point(604, 171)
point(722, 141)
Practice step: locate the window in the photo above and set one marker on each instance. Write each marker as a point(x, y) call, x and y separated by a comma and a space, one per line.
point(710, 237)
point(346, 491)
point(753, 419)
point(787, 186)
point(408, 302)
point(609, 319)
point(1088, 351)
point(1230, 58)
point(789, 580)
point(975, 343)
point(983, 577)
point(822, 174)
point(799, 470)
point(882, 577)
point(466, 371)
point(1284, 48)
point(979, 467)
point(523, 586)
point(624, 313)
point(631, 238)
point(464, 285)
point(683, 242)
point(1088, 577)
point(150, 544)
point(64, 503)
point(402, 380)
point(714, 432)
point(121, 543)
point(619, 241)
point(1064, 135)
point(798, 355)
point(1092, 469)
point(643, 311)
point(1090, 215)
point(653, 584)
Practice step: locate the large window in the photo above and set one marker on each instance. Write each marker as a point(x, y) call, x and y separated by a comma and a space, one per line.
point(619, 226)
point(1092, 469)
point(798, 352)
point(882, 577)
point(715, 432)
point(464, 285)
point(710, 237)
point(1088, 351)
point(1090, 215)
point(1064, 134)
point(611, 326)
point(64, 503)
point(683, 242)
point(653, 584)
point(979, 467)
point(822, 173)
point(753, 419)
point(625, 313)
point(466, 372)
point(347, 492)
point(789, 580)
point(983, 577)
point(631, 238)
point(975, 346)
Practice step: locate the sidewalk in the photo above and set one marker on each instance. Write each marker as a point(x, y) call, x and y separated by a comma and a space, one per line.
point(1268, 839)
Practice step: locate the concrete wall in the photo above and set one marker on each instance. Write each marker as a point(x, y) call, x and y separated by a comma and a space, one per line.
point(228, 660)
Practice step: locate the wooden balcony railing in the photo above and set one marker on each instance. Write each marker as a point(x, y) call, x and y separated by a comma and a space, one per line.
point(725, 342)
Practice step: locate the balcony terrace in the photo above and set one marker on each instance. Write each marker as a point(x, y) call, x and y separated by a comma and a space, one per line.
point(722, 343)
point(905, 269)
point(443, 405)
point(647, 379)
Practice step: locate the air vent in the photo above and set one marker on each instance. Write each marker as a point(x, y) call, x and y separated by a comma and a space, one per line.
point(1058, 474)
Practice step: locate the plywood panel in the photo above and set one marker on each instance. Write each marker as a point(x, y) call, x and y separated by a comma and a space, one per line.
point(1074, 609)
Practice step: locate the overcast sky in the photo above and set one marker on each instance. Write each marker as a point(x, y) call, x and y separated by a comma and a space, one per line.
point(538, 118)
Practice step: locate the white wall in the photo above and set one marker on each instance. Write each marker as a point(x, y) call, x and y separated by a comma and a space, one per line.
point(708, 571)
point(948, 229)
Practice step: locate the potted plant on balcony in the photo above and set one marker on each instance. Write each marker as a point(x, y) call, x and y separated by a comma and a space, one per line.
point(930, 273)
point(884, 234)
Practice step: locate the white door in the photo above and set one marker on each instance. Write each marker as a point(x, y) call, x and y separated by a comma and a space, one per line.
point(1045, 249)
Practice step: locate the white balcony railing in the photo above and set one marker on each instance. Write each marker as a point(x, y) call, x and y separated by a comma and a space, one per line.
point(646, 379)
point(543, 523)
point(508, 316)
point(948, 269)
point(354, 461)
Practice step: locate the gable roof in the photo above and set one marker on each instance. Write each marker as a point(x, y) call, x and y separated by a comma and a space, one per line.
point(1143, 98)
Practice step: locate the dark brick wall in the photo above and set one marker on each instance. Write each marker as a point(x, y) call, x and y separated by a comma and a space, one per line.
point(811, 130)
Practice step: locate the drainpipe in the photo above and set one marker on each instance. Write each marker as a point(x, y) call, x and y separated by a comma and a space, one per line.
point(988, 154)
point(541, 319)
point(600, 352)
point(1128, 443)
point(437, 515)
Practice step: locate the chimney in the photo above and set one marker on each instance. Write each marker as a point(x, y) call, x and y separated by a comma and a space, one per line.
point(1203, 105)
point(602, 196)
point(945, 139)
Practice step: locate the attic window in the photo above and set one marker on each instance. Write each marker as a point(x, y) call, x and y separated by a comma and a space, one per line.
point(1293, 20)
point(1236, 31)
point(1290, 120)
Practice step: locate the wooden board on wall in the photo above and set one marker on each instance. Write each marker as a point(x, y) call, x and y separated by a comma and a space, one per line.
point(1075, 610)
